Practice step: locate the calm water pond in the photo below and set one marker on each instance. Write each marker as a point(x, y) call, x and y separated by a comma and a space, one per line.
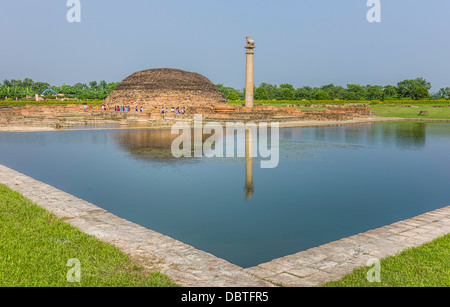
point(331, 182)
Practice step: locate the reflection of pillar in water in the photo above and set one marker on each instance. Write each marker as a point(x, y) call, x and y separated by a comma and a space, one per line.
point(248, 163)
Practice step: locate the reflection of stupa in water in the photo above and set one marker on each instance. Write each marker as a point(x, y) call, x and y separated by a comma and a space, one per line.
point(248, 164)
point(153, 145)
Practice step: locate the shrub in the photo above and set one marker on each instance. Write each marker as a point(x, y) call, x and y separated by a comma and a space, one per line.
point(232, 96)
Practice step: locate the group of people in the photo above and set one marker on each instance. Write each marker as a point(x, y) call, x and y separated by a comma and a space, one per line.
point(123, 109)
point(173, 110)
point(137, 109)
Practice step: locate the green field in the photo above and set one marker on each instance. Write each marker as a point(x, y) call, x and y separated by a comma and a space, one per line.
point(412, 111)
point(35, 248)
point(18, 103)
point(424, 266)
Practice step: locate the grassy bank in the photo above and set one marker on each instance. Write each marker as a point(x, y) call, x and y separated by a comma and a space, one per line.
point(412, 111)
point(424, 266)
point(35, 248)
point(19, 103)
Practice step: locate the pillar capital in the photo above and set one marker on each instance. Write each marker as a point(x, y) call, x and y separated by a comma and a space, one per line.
point(249, 50)
point(250, 43)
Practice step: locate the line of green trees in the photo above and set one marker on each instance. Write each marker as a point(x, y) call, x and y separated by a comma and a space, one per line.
point(415, 89)
point(27, 87)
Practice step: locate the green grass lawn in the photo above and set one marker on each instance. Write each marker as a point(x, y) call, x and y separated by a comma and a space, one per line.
point(424, 266)
point(52, 102)
point(35, 248)
point(438, 112)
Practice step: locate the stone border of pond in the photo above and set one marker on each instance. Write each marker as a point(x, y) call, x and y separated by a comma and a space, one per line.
point(184, 264)
point(286, 122)
point(332, 261)
point(188, 266)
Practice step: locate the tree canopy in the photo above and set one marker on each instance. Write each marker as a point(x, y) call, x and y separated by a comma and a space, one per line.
point(415, 89)
point(21, 88)
point(418, 88)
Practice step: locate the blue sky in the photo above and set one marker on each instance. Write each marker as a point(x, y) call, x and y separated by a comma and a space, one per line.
point(302, 42)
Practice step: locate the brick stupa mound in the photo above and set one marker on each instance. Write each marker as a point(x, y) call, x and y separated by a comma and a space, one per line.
point(165, 87)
